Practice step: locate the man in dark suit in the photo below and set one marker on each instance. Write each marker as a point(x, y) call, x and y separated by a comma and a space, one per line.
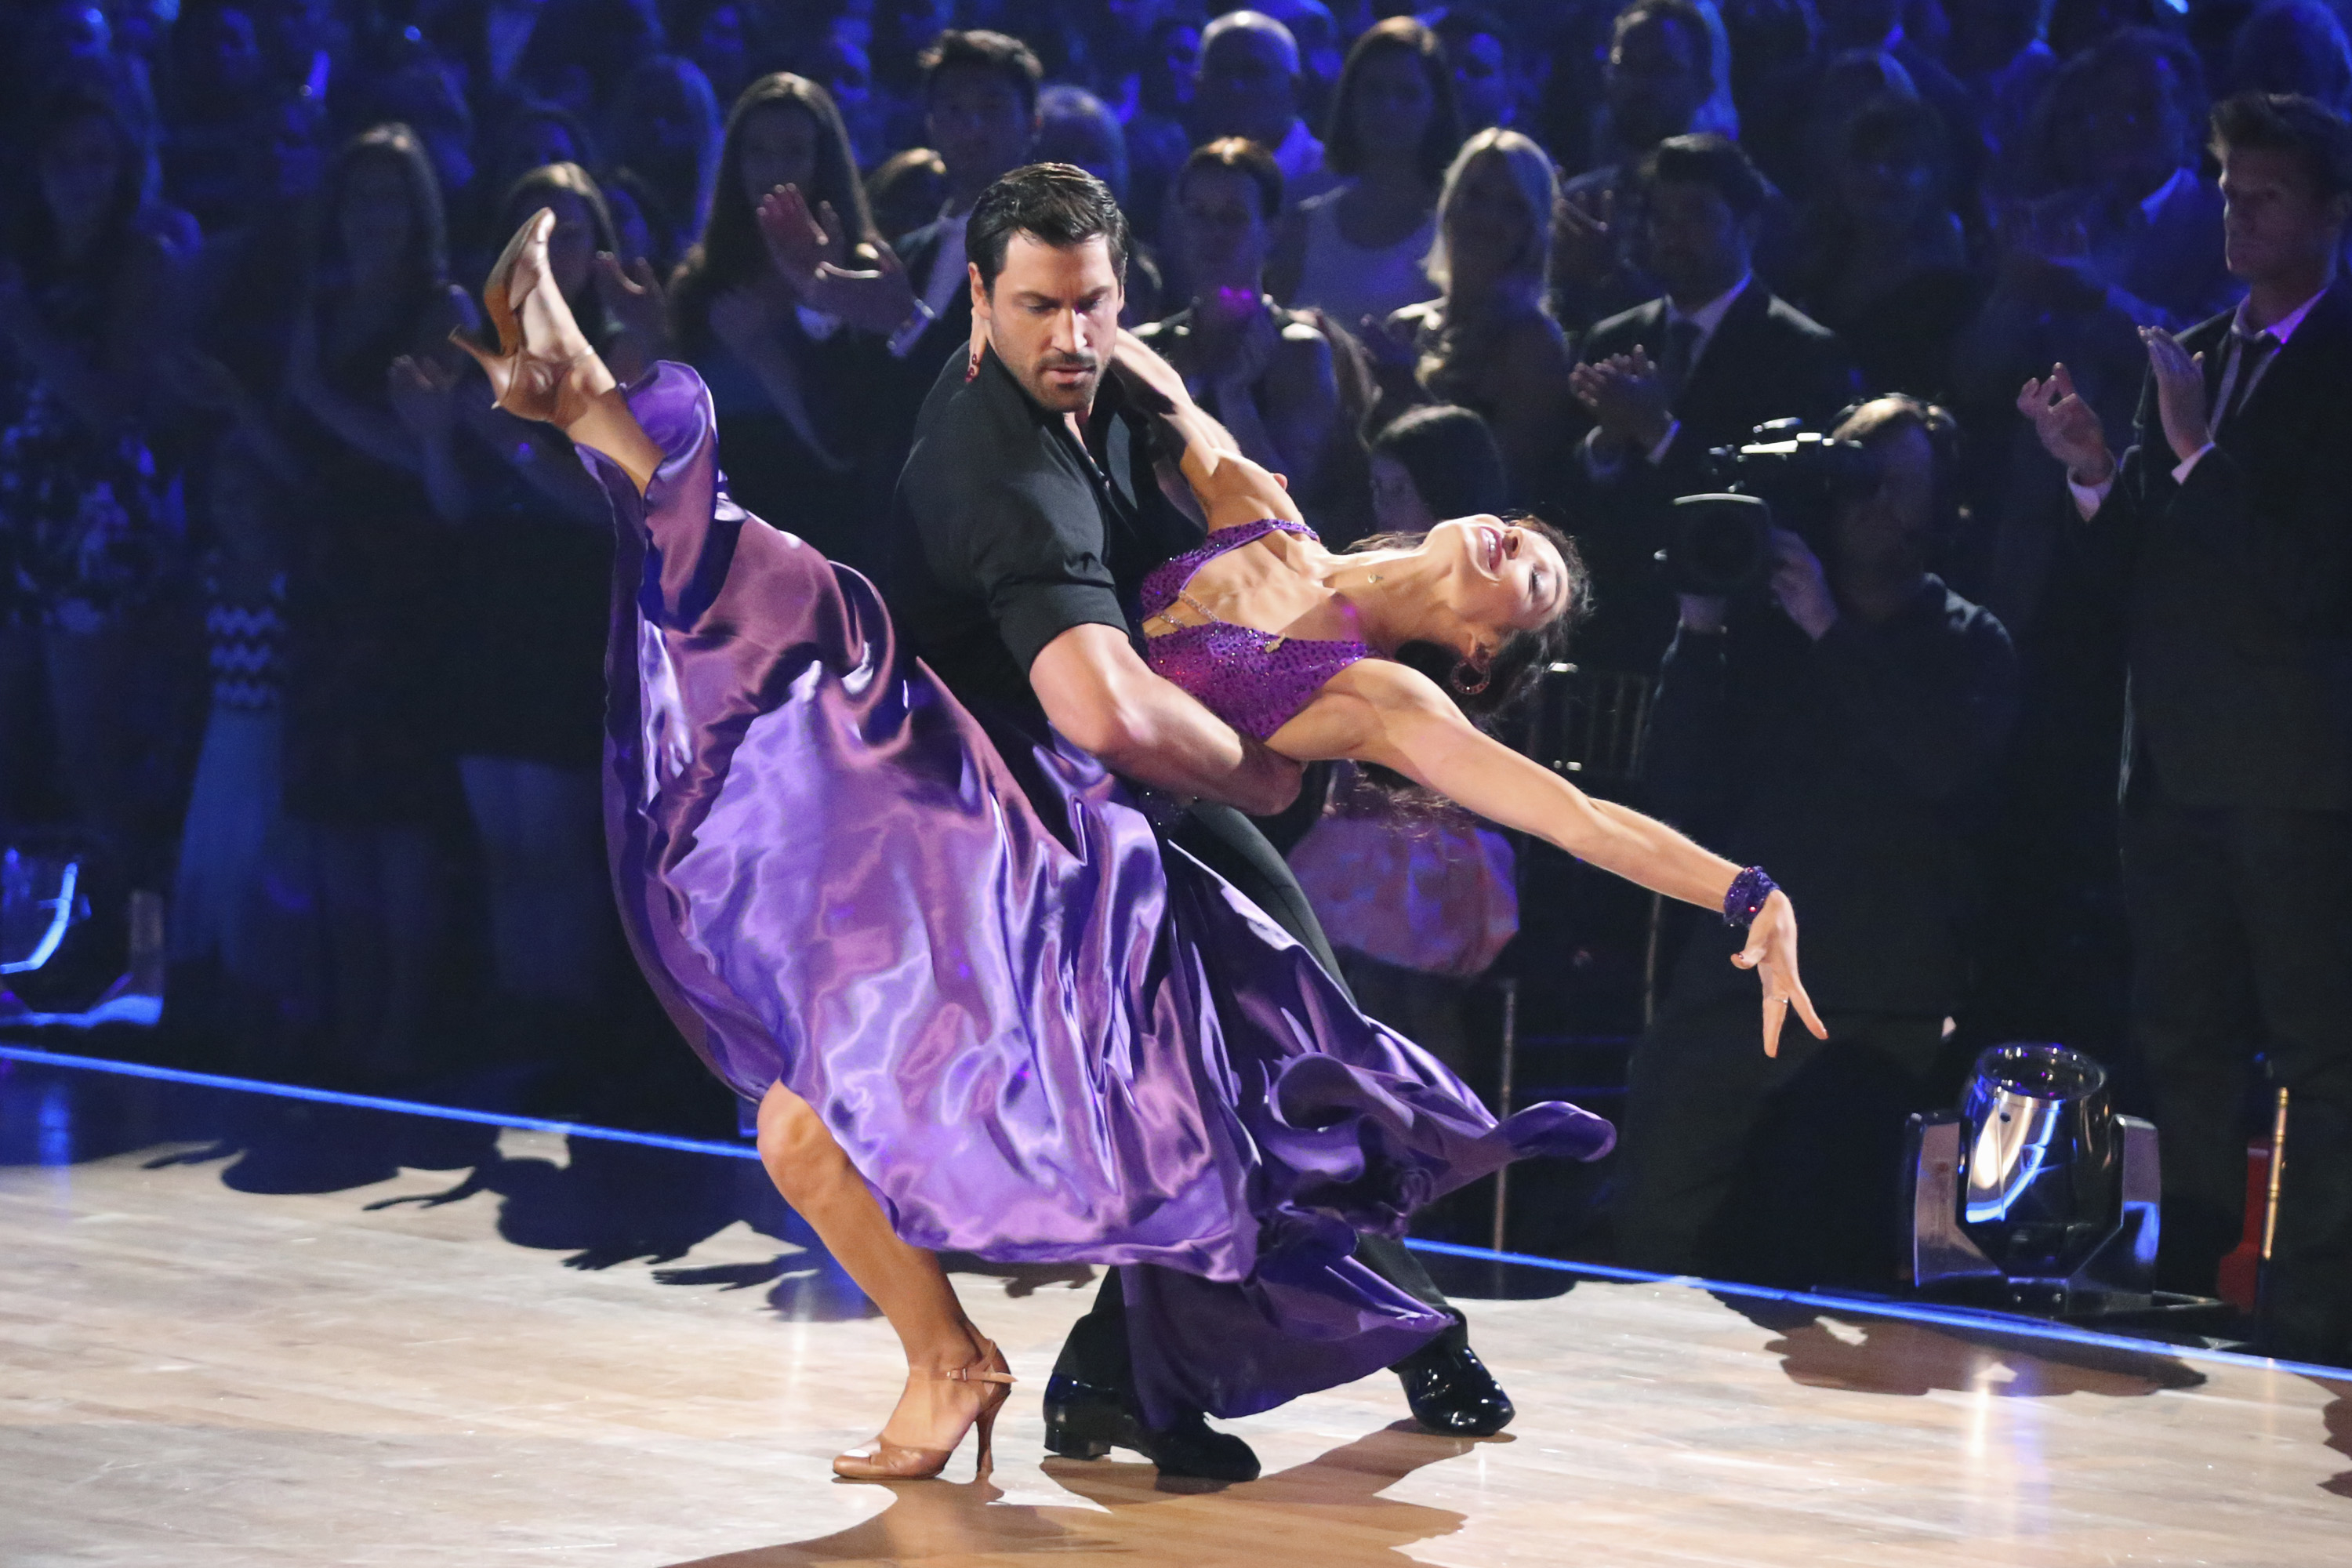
point(1664, 381)
point(1028, 514)
point(2228, 528)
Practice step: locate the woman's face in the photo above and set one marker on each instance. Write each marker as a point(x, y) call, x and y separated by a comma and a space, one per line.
point(571, 246)
point(81, 172)
point(779, 148)
point(1500, 578)
point(1488, 226)
point(1393, 104)
point(1885, 187)
point(1397, 505)
point(375, 218)
point(668, 116)
point(1225, 238)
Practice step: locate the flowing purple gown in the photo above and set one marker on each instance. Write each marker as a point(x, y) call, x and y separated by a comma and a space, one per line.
point(1038, 1037)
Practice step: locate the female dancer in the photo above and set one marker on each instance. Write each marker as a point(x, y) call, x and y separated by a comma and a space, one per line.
point(978, 1010)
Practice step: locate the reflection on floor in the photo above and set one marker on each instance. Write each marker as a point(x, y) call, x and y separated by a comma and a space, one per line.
point(252, 1330)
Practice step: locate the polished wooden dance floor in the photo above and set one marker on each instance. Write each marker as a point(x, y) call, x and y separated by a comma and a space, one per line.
point(264, 1333)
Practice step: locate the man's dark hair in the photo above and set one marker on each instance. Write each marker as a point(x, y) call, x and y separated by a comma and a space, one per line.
point(1059, 204)
point(1683, 14)
point(2288, 123)
point(1007, 56)
point(1243, 156)
point(1708, 159)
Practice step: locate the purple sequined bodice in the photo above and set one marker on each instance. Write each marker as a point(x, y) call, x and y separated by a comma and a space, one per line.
point(1256, 681)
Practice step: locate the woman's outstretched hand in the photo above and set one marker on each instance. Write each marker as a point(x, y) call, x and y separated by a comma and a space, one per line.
point(1771, 951)
point(544, 368)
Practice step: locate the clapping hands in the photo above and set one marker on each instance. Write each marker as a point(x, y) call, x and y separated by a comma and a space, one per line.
point(2179, 392)
point(1625, 393)
point(2068, 427)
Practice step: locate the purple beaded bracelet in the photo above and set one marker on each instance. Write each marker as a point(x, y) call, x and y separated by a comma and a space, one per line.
point(1746, 900)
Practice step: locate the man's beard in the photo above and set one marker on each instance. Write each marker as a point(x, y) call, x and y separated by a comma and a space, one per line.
point(1061, 395)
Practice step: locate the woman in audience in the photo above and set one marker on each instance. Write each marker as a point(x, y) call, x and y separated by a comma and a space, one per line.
point(767, 361)
point(1273, 377)
point(89, 539)
point(1359, 251)
point(366, 769)
point(533, 557)
point(232, 819)
point(1887, 265)
point(1489, 341)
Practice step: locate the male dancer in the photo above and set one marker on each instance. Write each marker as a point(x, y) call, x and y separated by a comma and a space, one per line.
point(1026, 520)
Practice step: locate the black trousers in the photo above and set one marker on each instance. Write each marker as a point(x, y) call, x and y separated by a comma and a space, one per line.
point(1230, 845)
point(2241, 935)
point(1770, 1170)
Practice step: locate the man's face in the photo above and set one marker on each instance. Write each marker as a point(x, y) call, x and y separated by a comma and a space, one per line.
point(980, 124)
point(1053, 317)
point(1888, 527)
point(1482, 81)
point(1246, 88)
point(1657, 79)
point(1698, 245)
point(2132, 131)
point(2273, 221)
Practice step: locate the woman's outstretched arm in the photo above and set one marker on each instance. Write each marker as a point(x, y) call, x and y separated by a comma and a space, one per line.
point(1381, 711)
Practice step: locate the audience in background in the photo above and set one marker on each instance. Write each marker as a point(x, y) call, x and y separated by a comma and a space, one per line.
point(1287, 384)
point(1885, 261)
point(772, 364)
point(1358, 252)
point(1248, 86)
point(1659, 75)
point(1664, 383)
point(1488, 341)
point(230, 428)
point(367, 770)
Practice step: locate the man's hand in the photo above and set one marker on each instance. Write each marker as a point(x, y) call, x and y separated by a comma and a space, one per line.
point(2069, 430)
point(1800, 586)
point(1625, 394)
point(2179, 392)
point(1583, 241)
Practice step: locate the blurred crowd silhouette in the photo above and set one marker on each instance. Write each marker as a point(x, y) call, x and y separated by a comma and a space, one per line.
point(302, 640)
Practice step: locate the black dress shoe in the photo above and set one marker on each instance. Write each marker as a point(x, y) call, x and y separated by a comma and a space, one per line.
point(1083, 1421)
point(1451, 1391)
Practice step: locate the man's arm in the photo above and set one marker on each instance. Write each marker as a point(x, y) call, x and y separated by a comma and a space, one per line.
point(1096, 692)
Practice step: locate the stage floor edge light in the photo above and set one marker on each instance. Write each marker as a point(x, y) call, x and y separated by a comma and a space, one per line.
point(1907, 1311)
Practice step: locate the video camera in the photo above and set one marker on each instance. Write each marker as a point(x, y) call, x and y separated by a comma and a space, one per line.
point(1718, 543)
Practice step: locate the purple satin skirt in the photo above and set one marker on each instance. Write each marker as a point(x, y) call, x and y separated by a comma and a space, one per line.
point(1037, 1034)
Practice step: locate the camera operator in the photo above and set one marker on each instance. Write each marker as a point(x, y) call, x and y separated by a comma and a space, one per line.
point(1836, 724)
point(1717, 355)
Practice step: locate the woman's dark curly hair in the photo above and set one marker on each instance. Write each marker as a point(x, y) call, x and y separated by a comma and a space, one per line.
point(1520, 662)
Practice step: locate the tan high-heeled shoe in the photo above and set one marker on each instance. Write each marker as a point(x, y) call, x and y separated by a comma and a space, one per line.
point(883, 1461)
